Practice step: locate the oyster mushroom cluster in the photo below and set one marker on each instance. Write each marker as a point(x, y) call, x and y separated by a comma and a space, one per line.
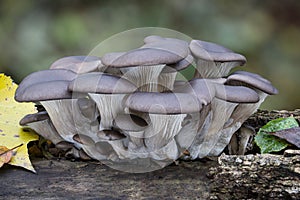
point(128, 110)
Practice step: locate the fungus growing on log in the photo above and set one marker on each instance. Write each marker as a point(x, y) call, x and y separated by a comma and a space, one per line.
point(128, 109)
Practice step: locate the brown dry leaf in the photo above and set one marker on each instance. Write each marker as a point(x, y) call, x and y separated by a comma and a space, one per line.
point(291, 135)
point(6, 154)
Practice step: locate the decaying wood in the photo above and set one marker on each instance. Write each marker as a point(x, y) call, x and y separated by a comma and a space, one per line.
point(231, 177)
point(256, 177)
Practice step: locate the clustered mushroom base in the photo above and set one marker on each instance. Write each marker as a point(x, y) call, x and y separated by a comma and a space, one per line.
point(127, 109)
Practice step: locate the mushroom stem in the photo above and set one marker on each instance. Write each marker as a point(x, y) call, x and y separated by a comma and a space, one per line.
point(187, 134)
point(61, 114)
point(239, 115)
point(146, 78)
point(109, 106)
point(166, 79)
point(239, 141)
point(46, 129)
point(162, 130)
point(221, 110)
point(211, 69)
point(68, 120)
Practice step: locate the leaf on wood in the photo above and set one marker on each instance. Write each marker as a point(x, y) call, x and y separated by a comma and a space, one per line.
point(6, 154)
point(11, 133)
point(270, 143)
point(292, 135)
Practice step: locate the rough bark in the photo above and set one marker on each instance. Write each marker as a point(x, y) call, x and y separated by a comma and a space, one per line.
point(256, 177)
point(227, 177)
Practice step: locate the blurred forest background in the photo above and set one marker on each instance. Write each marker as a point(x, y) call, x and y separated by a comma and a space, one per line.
point(35, 33)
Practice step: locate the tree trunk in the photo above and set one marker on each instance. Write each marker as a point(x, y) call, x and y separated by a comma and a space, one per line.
point(226, 177)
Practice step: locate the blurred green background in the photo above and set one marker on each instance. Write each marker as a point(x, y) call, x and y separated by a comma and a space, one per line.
point(35, 33)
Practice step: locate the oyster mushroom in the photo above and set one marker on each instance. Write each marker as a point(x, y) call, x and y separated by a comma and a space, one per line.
point(144, 65)
point(107, 91)
point(213, 60)
point(220, 101)
point(45, 85)
point(127, 109)
point(257, 83)
point(166, 112)
point(41, 123)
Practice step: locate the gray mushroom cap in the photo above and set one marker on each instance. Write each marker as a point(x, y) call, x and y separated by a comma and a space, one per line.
point(40, 116)
point(183, 63)
point(110, 135)
point(97, 82)
point(236, 94)
point(206, 89)
point(214, 52)
point(156, 38)
point(142, 56)
point(163, 103)
point(251, 80)
point(201, 88)
point(77, 64)
point(176, 46)
point(45, 85)
point(130, 122)
point(256, 76)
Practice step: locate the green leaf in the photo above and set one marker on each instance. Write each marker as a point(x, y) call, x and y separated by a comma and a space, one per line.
point(269, 143)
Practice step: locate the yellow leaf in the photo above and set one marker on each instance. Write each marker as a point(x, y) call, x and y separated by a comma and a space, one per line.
point(11, 133)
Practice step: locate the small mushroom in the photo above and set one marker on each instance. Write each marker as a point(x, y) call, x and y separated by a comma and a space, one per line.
point(213, 60)
point(251, 80)
point(261, 86)
point(240, 140)
point(130, 122)
point(64, 145)
point(110, 135)
point(78, 64)
point(46, 129)
point(40, 116)
point(83, 139)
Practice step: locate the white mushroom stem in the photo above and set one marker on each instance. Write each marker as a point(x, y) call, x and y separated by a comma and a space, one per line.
point(167, 79)
point(189, 130)
point(211, 69)
point(205, 120)
point(221, 110)
point(240, 114)
point(146, 78)
point(46, 129)
point(162, 130)
point(61, 114)
point(109, 106)
point(239, 141)
point(136, 140)
point(68, 120)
